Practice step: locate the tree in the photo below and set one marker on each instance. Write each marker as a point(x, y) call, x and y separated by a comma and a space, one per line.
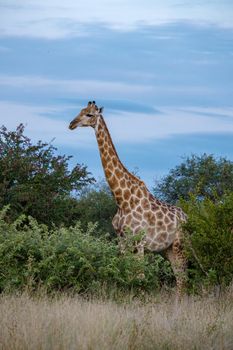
point(97, 205)
point(35, 181)
point(202, 176)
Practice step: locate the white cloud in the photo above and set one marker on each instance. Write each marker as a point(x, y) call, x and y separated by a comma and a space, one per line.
point(80, 88)
point(131, 128)
point(54, 19)
point(141, 128)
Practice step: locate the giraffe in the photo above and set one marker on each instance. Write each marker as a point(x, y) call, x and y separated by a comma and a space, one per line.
point(138, 210)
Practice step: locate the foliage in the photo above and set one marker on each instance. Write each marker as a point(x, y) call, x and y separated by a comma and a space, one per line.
point(96, 204)
point(31, 255)
point(203, 176)
point(35, 181)
point(210, 240)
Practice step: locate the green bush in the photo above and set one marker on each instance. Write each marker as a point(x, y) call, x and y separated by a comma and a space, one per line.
point(96, 204)
point(32, 256)
point(209, 241)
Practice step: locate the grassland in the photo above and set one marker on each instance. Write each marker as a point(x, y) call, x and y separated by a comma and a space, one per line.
point(71, 322)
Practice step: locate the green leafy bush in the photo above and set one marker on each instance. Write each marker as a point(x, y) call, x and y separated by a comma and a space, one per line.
point(210, 240)
point(96, 204)
point(36, 181)
point(33, 256)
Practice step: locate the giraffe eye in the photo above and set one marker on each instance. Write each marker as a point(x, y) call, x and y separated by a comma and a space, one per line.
point(89, 115)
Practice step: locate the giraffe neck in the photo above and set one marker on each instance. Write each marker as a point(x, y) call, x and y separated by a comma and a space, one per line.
point(117, 175)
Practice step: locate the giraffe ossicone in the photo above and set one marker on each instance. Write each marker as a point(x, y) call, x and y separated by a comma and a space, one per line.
point(138, 209)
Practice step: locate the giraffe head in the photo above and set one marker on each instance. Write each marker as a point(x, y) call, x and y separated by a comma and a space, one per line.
point(87, 117)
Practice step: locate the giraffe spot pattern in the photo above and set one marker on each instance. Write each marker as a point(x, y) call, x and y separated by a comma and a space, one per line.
point(123, 183)
point(159, 215)
point(126, 194)
point(145, 204)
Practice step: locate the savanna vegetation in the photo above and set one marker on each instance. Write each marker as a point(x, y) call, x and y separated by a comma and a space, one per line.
point(56, 232)
point(56, 236)
point(73, 322)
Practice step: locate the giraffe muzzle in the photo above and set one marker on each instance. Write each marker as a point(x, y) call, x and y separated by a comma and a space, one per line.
point(73, 124)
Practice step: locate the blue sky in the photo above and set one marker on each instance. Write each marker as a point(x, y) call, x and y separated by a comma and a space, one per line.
point(163, 70)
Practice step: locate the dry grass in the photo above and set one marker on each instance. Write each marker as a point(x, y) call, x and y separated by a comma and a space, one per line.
point(73, 323)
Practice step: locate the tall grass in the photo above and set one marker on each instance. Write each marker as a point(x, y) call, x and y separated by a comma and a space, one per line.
point(67, 322)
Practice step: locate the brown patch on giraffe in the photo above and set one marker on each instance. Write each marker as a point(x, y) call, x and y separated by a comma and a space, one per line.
point(171, 226)
point(100, 134)
point(126, 194)
point(114, 160)
point(118, 172)
point(108, 173)
point(123, 183)
point(166, 220)
point(133, 189)
point(150, 218)
point(162, 237)
point(159, 215)
point(111, 152)
point(134, 201)
point(150, 232)
point(105, 154)
point(100, 142)
point(145, 204)
point(131, 202)
point(108, 159)
point(160, 224)
point(139, 193)
point(151, 198)
point(171, 216)
point(118, 192)
point(125, 205)
point(164, 209)
point(135, 223)
point(113, 182)
point(129, 184)
point(110, 166)
point(154, 207)
point(139, 209)
point(137, 215)
point(157, 202)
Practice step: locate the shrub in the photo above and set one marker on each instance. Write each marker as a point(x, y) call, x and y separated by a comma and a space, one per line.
point(96, 204)
point(31, 255)
point(210, 240)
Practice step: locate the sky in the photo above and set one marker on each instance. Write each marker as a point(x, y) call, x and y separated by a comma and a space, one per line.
point(162, 69)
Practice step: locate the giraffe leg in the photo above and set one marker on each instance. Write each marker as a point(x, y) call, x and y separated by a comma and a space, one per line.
point(178, 262)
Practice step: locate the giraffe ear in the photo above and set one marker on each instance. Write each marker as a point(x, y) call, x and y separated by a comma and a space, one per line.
point(101, 109)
